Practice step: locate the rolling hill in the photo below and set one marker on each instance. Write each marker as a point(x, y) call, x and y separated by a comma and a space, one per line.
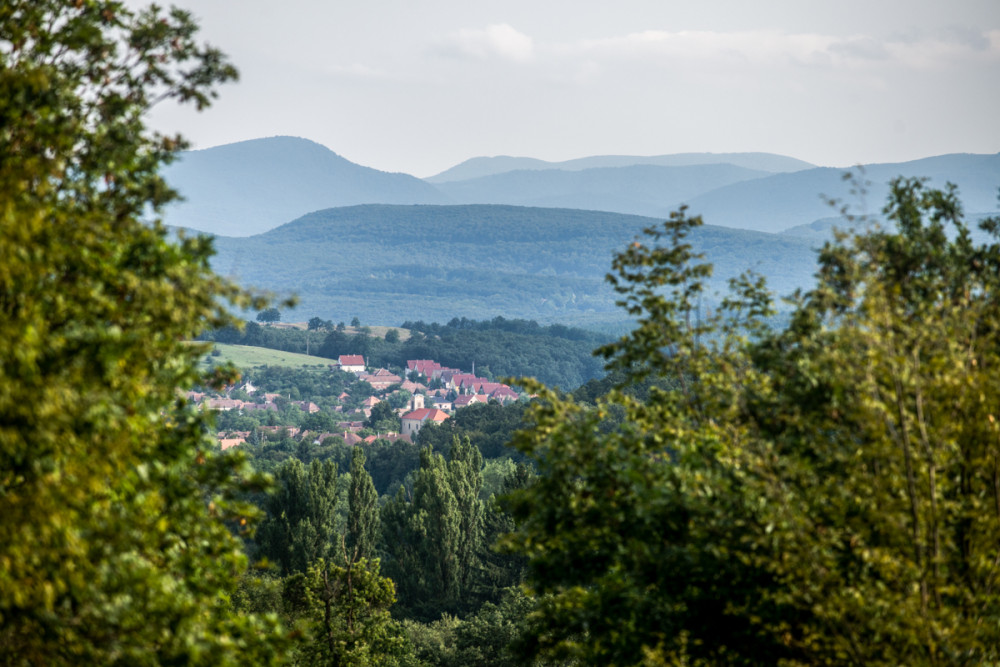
point(637, 189)
point(388, 264)
point(249, 187)
point(253, 186)
point(478, 167)
point(782, 201)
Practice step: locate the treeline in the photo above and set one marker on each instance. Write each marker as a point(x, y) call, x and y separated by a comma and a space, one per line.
point(557, 355)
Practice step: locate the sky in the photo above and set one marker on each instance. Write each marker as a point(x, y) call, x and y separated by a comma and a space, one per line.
point(418, 87)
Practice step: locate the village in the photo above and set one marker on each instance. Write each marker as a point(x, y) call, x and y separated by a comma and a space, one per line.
point(429, 392)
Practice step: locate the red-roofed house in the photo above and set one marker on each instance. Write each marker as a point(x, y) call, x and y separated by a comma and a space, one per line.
point(414, 421)
point(381, 379)
point(468, 399)
point(425, 367)
point(227, 443)
point(412, 387)
point(351, 363)
point(505, 394)
point(225, 404)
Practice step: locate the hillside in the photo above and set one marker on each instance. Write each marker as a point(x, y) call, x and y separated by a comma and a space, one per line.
point(487, 166)
point(637, 189)
point(248, 356)
point(249, 187)
point(783, 201)
point(390, 264)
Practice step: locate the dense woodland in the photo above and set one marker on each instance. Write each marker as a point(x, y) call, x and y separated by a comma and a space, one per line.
point(824, 491)
point(388, 264)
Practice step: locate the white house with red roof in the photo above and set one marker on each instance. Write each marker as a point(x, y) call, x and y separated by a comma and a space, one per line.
point(351, 363)
point(414, 421)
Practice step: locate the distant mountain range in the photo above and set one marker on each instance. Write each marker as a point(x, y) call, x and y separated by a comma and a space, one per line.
point(513, 236)
point(478, 167)
point(250, 187)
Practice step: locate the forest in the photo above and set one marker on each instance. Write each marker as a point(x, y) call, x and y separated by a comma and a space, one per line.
point(555, 354)
point(732, 491)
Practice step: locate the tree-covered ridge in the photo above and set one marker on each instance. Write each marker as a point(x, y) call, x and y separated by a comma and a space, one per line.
point(433, 263)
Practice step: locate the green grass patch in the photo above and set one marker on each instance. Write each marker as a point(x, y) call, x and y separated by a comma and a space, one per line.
point(246, 356)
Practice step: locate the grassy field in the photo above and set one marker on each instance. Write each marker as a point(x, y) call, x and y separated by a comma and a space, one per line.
point(245, 356)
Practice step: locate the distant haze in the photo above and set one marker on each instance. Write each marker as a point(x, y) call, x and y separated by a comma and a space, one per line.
point(250, 187)
point(420, 87)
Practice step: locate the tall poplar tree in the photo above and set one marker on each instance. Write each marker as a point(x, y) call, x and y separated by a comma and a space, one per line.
point(465, 464)
point(433, 541)
point(362, 534)
point(300, 526)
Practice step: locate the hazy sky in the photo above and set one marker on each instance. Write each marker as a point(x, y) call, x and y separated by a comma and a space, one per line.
point(420, 86)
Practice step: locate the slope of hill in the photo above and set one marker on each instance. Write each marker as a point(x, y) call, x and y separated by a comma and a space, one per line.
point(478, 167)
point(390, 264)
point(249, 187)
point(783, 201)
point(638, 189)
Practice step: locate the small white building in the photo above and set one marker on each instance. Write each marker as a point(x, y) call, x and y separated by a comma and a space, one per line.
point(351, 363)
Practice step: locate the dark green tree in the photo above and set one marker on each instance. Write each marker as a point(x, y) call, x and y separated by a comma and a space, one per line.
point(465, 465)
point(300, 527)
point(115, 542)
point(433, 543)
point(820, 494)
point(421, 538)
point(383, 418)
point(269, 315)
point(361, 538)
point(348, 613)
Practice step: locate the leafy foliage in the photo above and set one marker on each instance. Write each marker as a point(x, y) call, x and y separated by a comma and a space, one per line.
point(819, 494)
point(115, 543)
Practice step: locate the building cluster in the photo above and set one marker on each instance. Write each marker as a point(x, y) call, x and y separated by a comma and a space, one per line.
point(452, 389)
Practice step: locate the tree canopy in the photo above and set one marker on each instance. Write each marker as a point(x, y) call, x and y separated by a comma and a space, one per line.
point(825, 493)
point(116, 542)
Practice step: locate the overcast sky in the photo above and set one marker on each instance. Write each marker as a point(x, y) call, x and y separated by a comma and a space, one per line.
point(418, 87)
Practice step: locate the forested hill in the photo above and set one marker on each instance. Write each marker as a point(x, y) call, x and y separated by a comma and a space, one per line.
point(389, 264)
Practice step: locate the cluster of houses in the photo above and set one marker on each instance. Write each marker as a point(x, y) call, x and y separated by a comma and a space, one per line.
point(453, 390)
